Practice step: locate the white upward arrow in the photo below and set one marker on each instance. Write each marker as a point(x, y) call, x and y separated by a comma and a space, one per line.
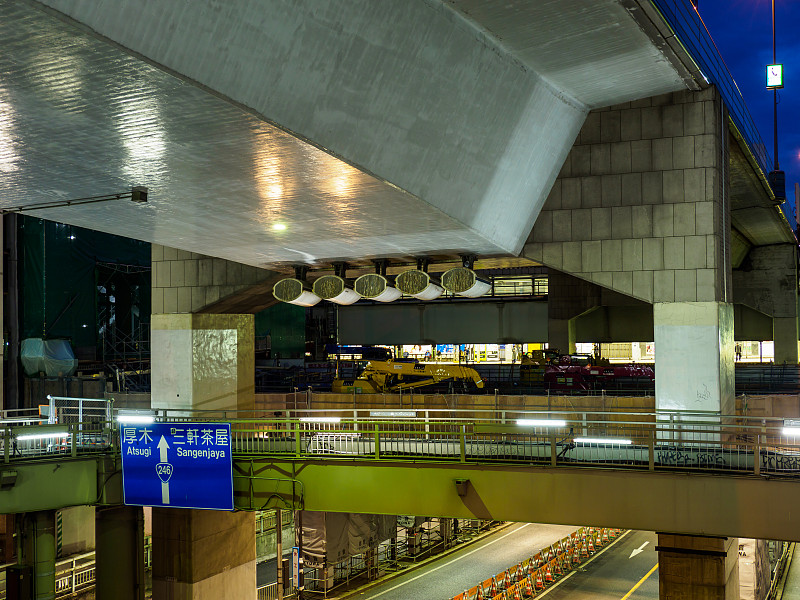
point(638, 550)
point(162, 448)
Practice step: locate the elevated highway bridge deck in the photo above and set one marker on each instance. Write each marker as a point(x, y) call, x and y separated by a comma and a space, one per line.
point(694, 475)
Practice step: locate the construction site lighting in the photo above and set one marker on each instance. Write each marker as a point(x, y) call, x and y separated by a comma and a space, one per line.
point(320, 419)
point(541, 423)
point(334, 289)
point(418, 284)
point(464, 282)
point(374, 286)
point(42, 433)
point(135, 418)
point(791, 431)
point(604, 441)
point(294, 291)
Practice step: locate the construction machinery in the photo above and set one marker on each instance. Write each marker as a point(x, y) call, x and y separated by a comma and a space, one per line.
point(395, 375)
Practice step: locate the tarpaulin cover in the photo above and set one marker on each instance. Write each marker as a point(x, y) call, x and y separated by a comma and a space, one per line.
point(330, 538)
point(54, 358)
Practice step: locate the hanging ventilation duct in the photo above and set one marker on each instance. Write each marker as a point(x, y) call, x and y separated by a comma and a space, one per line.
point(334, 289)
point(376, 287)
point(465, 282)
point(418, 283)
point(294, 291)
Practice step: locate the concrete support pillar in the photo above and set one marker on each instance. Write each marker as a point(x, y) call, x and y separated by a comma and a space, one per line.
point(203, 361)
point(766, 280)
point(700, 567)
point(200, 554)
point(38, 545)
point(784, 336)
point(694, 356)
point(119, 540)
point(561, 335)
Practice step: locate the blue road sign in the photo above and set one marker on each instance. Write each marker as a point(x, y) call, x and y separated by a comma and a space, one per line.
point(178, 465)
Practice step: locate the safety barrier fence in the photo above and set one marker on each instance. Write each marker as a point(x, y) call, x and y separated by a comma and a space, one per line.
point(75, 574)
point(642, 440)
point(533, 575)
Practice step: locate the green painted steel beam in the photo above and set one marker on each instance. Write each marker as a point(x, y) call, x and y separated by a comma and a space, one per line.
point(49, 484)
point(697, 504)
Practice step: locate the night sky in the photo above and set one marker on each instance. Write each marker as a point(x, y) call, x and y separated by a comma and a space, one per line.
point(742, 30)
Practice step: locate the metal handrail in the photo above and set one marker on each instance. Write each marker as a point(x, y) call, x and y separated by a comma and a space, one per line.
point(691, 31)
point(689, 441)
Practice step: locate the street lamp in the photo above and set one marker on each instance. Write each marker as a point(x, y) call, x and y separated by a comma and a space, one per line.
point(777, 178)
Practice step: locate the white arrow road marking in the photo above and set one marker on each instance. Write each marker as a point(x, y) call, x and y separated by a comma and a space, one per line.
point(163, 447)
point(638, 550)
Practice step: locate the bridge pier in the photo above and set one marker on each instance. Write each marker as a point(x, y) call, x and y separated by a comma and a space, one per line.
point(766, 280)
point(38, 550)
point(203, 362)
point(694, 356)
point(119, 552)
point(693, 566)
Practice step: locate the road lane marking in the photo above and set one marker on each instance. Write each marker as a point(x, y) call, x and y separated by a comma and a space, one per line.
point(571, 573)
point(640, 582)
point(399, 585)
point(638, 550)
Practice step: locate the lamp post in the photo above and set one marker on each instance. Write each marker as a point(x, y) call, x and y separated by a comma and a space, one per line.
point(776, 177)
point(775, 92)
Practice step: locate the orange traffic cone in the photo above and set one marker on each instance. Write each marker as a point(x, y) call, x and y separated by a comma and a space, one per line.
point(591, 545)
point(576, 557)
point(548, 573)
point(539, 581)
point(528, 586)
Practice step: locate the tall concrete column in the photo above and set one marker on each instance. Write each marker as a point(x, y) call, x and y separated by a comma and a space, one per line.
point(203, 361)
point(561, 335)
point(694, 356)
point(692, 566)
point(200, 554)
point(38, 547)
point(119, 542)
point(767, 281)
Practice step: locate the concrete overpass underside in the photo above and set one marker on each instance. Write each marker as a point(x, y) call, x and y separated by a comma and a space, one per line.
point(367, 129)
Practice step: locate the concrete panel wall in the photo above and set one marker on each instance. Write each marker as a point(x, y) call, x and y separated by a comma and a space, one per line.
point(638, 206)
point(445, 323)
point(185, 282)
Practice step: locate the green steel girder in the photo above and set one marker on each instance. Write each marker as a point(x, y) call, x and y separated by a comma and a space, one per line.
point(699, 504)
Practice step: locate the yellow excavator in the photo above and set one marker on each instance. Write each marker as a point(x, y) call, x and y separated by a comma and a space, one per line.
point(393, 376)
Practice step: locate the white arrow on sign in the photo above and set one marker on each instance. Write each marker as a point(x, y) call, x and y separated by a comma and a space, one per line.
point(162, 448)
point(638, 550)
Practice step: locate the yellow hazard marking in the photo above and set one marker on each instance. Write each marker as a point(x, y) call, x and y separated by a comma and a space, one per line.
point(640, 582)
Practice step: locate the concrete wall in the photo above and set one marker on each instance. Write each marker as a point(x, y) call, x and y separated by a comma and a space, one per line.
point(638, 205)
point(185, 282)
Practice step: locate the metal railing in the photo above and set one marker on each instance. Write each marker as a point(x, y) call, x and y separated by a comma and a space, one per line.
point(75, 574)
point(691, 32)
point(688, 441)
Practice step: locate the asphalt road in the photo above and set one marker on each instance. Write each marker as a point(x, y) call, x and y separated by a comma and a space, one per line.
point(614, 573)
point(451, 575)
